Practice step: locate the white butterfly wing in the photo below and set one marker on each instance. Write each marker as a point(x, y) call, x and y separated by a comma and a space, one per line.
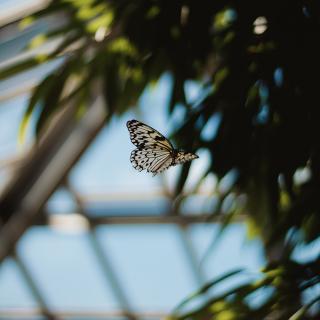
point(144, 136)
point(152, 160)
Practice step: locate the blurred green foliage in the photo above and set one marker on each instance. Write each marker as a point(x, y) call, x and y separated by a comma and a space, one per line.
point(260, 60)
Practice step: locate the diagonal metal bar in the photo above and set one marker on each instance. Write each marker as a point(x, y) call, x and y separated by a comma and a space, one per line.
point(191, 255)
point(44, 170)
point(110, 275)
point(44, 309)
point(103, 259)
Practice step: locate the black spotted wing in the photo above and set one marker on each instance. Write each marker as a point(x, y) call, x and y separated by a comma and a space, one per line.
point(152, 160)
point(143, 136)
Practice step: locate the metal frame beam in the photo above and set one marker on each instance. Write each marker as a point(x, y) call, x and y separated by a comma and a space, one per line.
point(44, 170)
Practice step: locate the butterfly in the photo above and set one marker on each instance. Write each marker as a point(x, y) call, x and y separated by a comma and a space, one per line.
point(154, 152)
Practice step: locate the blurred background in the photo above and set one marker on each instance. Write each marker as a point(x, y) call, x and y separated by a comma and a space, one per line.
point(231, 235)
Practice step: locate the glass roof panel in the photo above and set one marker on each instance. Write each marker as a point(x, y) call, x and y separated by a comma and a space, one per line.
point(65, 270)
point(13, 289)
point(151, 264)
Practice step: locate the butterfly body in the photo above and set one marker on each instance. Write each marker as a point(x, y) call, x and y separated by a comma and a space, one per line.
point(154, 152)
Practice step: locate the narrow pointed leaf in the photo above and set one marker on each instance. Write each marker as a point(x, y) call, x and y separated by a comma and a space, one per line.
point(38, 94)
point(206, 287)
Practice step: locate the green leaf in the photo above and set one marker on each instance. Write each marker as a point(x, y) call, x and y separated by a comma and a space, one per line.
point(301, 312)
point(240, 292)
point(19, 67)
point(38, 94)
point(206, 287)
point(182, 178)
point(53, 95)
point(68, 41)
point(177, 94)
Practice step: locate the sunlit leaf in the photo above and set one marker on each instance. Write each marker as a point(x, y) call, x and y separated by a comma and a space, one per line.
point(302, 311)
point(35, 98)
point(206, 287)
point(19, 67)
point(53, 95)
